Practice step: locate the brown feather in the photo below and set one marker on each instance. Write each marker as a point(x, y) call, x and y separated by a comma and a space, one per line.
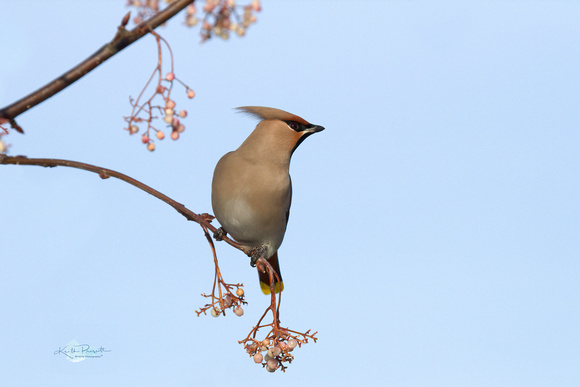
point(267, 113)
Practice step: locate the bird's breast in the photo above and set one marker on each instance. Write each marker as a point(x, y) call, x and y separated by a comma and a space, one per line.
point(252, 205)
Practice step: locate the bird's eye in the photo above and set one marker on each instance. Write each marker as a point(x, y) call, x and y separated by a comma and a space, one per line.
point(294, 125)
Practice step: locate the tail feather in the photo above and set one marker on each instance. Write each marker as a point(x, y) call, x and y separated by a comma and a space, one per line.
point(265, 278)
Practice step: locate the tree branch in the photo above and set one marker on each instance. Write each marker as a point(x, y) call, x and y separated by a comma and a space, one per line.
point(122, 39)
point(104, 173)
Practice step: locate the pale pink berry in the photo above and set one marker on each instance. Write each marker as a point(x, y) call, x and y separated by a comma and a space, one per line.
point(180, 128)
point(175, 122)
point(133, 129)
point(160, 135)
point(292, 343)
point(266, 342)
point(270, 369)
point(256, 6)
point(183, 113)
point(191, 21)
point(174, 136)
point(241, 31)
point(238, 311)
point(215, 312)
point(258, 358)
point(161, 89)
point(170, 76)
point(168, 119)
point(190, 94)
point(145, 139)
point(240, 292)
point(283, 346)
point(170, 104)
point(275, 351)
point(273, 363)
point(151, 146)
point(191, 9)
point(168, 112)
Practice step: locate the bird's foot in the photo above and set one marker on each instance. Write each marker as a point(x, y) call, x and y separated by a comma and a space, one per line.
point(255, 254)
point(219, 234)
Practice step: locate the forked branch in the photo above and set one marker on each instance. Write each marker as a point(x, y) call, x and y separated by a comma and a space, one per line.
point(123, 38)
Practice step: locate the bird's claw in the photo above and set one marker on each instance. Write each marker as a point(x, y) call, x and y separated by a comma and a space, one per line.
point(219, 234)
point(255, 254)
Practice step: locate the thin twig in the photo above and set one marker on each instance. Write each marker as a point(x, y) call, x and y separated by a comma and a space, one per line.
point(123, 38)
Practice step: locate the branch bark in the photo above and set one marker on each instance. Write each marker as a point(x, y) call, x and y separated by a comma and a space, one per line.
point(123, 38)
point(104, 173)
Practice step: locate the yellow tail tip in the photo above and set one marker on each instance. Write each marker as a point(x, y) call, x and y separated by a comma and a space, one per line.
point(266, 287)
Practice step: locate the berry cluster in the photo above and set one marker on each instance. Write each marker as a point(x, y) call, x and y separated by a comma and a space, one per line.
point(222, 302)
point(146, 111)
point(274, 351)
point(222, 17)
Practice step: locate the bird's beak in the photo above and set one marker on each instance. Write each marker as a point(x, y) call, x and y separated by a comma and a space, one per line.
point(307, 132)
point(314, 129)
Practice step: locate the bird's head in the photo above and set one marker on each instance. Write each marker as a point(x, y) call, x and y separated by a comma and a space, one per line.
point(282, 130)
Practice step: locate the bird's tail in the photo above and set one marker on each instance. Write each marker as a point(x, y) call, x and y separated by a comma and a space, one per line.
point(265, 278)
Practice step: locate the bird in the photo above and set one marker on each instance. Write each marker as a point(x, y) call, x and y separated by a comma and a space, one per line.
point(251, 188)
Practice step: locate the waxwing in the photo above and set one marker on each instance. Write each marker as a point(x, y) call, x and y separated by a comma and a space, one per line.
point(251, 188)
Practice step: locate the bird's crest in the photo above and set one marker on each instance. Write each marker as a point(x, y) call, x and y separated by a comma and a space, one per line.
point(267, 113)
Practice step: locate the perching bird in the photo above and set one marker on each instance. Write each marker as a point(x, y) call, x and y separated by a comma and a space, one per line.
point(251, 188)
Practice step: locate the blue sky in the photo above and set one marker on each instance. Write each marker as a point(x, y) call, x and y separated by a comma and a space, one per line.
point(434, 231)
